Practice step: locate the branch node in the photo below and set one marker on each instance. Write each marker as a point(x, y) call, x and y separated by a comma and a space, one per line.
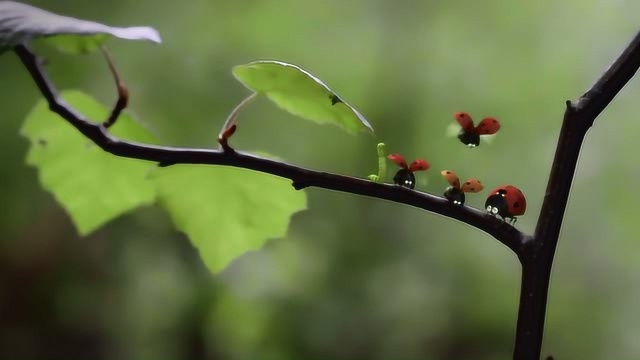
point(164, 164)
point(299, 185)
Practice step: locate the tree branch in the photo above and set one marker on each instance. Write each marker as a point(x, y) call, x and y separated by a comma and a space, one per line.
point(301, 177)
point(535, 253)
point(538, 259)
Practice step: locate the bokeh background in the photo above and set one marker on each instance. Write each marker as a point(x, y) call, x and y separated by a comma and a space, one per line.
point(355, 278)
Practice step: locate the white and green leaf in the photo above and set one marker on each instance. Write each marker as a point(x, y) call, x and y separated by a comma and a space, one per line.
point(22, 23)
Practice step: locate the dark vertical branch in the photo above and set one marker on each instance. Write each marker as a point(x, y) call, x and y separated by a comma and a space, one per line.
point(537, 260)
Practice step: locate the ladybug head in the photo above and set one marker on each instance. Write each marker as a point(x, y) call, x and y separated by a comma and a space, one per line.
point(405, 177)
point(496, 203)
point(471, 139)
point(455, 195)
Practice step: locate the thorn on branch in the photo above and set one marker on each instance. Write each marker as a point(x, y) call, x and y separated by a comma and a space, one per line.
point(123, 92)
point(164, 164)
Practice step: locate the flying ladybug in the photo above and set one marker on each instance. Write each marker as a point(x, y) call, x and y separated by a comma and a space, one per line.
point(470, 134)
point(455, 193)
point(404, 176)
point(506, 201)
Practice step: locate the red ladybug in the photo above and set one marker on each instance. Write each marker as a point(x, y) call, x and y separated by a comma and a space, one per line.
point(506, 201)
point(455, 192)
point(404, 177)
point(469, 134)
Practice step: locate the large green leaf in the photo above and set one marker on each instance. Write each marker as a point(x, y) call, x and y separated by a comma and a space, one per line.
point(227, 211)
point(21, 23)
point(301, 93)
point(92, 185)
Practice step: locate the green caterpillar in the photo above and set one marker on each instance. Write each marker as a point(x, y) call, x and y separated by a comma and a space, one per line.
point(382, 166)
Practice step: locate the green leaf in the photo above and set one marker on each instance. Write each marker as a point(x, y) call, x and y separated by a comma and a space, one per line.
point(300, 93)
point(227, 211)
point(92, 185)
point(21, 23)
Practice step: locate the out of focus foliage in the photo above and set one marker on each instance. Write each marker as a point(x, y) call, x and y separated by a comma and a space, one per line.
point(354, 278)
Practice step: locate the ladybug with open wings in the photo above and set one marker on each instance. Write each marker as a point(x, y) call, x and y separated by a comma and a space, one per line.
point(470, 134)
point(404, 177)
point(455, 192)
point(506, 201)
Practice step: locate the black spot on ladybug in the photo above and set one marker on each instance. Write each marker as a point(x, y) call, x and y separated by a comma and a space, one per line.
point(516, 204)
point(494, 121)
point(473, 189)
point(448, 172)
point(468, 183)
point(334, 99)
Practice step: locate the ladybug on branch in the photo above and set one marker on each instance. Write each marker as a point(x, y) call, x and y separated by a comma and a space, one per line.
point(455, 193)
point(506, 201)
point(404, 177)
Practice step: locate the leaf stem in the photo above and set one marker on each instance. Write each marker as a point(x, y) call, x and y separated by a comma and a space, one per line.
point(229, 126)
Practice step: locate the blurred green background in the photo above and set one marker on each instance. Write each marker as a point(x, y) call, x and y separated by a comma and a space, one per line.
point(355, 278)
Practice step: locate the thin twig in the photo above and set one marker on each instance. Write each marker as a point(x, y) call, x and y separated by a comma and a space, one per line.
point(123, 92)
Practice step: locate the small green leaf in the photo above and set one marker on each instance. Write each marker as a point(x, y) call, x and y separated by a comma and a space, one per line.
point(300, 93)
point(227, 211)
point(92, 185)
point(21, 23)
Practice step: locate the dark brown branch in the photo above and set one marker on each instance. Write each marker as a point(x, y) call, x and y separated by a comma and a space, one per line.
point(301, 177)
point(537, 260)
